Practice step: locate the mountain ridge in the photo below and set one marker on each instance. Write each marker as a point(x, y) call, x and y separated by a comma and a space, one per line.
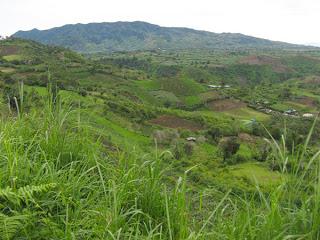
point(138, 35)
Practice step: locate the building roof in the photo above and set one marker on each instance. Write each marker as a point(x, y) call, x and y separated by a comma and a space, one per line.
point(191, 139)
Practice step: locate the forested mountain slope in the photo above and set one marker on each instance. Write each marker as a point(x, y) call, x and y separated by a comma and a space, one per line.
point(130, 36)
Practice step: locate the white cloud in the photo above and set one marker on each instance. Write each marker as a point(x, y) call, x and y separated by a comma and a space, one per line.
point(286, 20)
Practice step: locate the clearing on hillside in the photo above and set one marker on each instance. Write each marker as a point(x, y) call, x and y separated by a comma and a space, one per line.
point(9, 50)
point(176, 122)
point(225, 105)
point(210, 96)
point(312, 79)
point(275, 63)
point(308, 101)
point(6, 69)
point(245, 137)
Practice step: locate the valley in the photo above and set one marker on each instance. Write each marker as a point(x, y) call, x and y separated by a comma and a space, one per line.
point(215, 124)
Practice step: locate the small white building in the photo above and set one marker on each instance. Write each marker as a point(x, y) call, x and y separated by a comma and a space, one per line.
point(308, 115)
point(214, 86)
point(291, 112)
point(191, 139)
point(219, 86)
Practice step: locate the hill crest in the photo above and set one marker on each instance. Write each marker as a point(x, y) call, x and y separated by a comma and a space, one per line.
point(138, 35)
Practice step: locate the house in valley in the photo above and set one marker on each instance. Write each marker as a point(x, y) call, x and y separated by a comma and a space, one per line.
point(191, 139)
point(308, 115)
point(291, 112)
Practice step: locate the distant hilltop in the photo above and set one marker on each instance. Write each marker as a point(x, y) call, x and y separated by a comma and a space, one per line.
point(133, 36)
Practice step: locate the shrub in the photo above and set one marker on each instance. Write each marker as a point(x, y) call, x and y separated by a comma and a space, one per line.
point(244, 153)
point(189, 148)
point(229, 146)
point(165, 137)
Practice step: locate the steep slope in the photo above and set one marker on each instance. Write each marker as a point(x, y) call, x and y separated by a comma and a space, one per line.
point(31, 52)
point(130, 36)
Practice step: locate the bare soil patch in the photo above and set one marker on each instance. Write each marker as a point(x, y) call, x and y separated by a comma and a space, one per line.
point(176, 122)
point(225, 105)
point(9, 50)
point(275, 63)
point(308, 101)
point(245, 137)
point(312, 80)
point(242, 137)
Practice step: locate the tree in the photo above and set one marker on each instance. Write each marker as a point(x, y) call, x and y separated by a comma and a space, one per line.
point(285, 93)
point(229, 147)
point(214, 133)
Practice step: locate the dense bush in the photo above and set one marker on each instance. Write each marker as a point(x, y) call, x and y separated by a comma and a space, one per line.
point(229, 146)
point(244, 153)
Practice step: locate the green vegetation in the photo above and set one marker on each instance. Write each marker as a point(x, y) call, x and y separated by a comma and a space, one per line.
point(136, 145)
point(132, 36)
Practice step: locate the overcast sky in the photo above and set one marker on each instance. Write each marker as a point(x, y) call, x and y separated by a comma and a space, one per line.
point(295, 21)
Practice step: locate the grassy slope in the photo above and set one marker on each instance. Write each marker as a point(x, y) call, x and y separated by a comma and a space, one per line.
point(71, 187)
point(105, 159)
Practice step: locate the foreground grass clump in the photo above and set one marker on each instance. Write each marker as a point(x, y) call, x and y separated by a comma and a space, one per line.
point(58, 182)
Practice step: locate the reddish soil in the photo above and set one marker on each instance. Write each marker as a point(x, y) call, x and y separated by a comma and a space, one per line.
point(225, 105)
point(275, 63)
point(9, 50)
point(308, 101)
point(245, 137)
point(312, 80)
point(176, 122)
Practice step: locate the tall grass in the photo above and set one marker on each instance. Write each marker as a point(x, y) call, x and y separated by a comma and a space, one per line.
point(58, 182)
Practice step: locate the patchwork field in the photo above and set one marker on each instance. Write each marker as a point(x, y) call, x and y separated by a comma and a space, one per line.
point(6, 69)
point(225, 105)
point(274, 63)
point(93, 128)
point(176, 122)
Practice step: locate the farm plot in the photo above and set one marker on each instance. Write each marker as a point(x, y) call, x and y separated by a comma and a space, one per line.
point(236, 109)
point(274, 63)
point(226, 105)
point(176, 122)
point(307, 101)
point(6, 69)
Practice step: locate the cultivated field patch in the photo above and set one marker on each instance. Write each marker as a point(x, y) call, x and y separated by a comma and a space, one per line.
point(210, 96)
point(6, 69)
point(307, 101)
point(225, 105)
point(312, 79)
point(275, 63)
point(13, 57)
point(247, 113)
point(9, 50)
point(176, 122)
point(245, 137)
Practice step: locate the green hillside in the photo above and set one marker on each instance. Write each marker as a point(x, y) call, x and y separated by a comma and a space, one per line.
point(190, 144)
